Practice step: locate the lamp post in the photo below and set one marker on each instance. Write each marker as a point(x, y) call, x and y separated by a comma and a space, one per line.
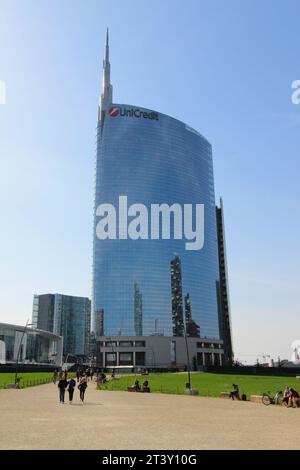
point(19, 350)
point(188, 360)
point(115, 356)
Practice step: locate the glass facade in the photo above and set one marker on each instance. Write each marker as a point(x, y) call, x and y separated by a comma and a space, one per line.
point(152, 159)
point(67, 316)
point(28, 345)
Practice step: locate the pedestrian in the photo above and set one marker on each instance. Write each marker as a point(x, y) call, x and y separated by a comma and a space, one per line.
point(82, 388)
point(78, 374)
point(71, 387)
point(62, 385)
point(235, 392)
point(55, 376)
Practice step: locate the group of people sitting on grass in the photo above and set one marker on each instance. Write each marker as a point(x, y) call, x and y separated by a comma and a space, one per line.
point(141, 388)
point(291, 398)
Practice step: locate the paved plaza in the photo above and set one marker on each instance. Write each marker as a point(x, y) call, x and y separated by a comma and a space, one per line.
point(33, 419)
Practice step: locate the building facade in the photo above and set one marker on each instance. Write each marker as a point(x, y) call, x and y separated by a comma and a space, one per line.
point(149, 158)
point(29, 345)
point(159, 352)
point(67, 316)
point(223, 289)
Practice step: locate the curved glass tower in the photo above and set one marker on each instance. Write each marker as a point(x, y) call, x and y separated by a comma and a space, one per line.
point(152, 286)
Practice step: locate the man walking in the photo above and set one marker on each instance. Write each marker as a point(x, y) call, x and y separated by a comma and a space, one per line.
point(62, 385)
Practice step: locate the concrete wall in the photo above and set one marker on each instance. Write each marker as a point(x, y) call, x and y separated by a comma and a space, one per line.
point(158, 351)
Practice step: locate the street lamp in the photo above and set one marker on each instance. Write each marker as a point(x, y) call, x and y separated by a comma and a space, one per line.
point(19, 350)
point(188, 360)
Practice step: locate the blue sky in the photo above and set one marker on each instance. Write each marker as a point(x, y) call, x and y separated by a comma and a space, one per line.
point(225, 68)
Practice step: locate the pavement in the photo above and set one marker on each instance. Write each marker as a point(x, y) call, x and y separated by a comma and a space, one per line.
point(32, 418)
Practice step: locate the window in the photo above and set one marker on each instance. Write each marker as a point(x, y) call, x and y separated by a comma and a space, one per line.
point(199, 359)
point(125, 358)
point(111, 359)
point(126, 344)
point(140, 344)
point(140, 358)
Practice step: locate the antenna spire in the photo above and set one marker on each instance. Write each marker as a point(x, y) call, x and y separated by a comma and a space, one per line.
point(107, 90)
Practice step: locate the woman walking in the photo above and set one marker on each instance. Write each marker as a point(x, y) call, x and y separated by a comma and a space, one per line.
point(71, 387)
point(82, 388)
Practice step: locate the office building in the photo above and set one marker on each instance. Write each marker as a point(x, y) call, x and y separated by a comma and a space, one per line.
point(66, 316)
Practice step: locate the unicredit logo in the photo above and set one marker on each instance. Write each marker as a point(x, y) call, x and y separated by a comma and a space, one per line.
point(114, 111)
point(132, 112)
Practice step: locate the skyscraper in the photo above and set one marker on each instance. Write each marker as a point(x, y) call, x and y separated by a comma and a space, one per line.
point(147, 158)
point(223, 289)
point(99, 323)
point(66, 316)
point(191, 327)
point(177, 300)
point(138, 311)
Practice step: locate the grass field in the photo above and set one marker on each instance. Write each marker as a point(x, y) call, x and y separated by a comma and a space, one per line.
point(208, 384)
point(29, 379)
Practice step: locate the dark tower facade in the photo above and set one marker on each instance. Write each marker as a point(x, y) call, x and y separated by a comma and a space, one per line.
point(223, 290)
point(138, 311)
point(177, 300)
point(191, 327)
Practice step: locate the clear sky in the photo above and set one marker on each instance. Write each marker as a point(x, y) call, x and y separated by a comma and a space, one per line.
point(225, 68)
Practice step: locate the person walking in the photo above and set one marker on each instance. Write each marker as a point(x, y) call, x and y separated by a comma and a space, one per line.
point(71, 387)
point(62, 385)
point(78, 374)
point(55, 376)
point(82, 388)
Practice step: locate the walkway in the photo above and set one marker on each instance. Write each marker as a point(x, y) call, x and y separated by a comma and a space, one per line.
point(33, 419)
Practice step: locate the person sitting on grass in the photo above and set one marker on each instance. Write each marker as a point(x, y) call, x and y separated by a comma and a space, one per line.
point(235, 394)
point(286, 396)
point(145, 386)
point(294, 398)
point(137, 386)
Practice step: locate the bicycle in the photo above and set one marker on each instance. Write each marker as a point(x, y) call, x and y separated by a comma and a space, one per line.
point(268, 399)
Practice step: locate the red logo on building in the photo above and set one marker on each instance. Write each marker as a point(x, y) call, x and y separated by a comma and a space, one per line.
point(114, 111)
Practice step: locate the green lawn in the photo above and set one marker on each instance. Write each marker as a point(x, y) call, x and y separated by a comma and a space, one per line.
point(208, 384)
point(28, 378)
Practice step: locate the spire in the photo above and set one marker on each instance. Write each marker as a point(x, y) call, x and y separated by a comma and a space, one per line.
point(107, 46)
point(106, 96)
